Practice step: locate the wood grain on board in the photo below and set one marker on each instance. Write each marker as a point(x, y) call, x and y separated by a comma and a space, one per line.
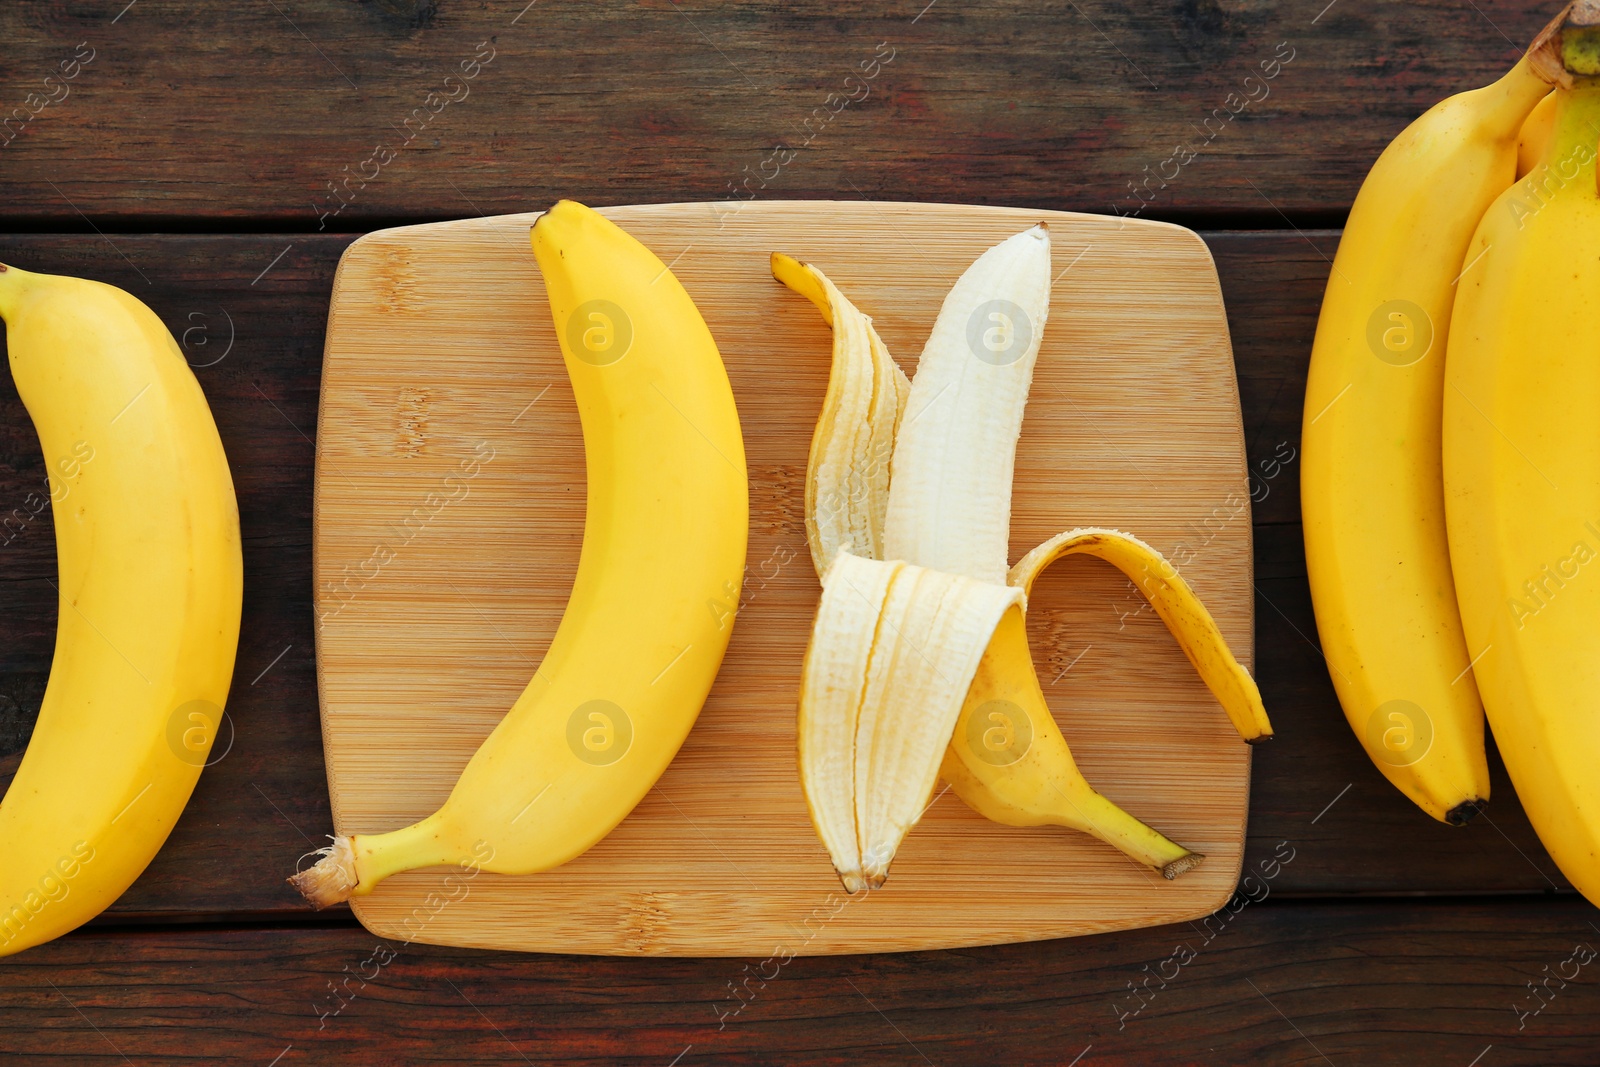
point(440, 349)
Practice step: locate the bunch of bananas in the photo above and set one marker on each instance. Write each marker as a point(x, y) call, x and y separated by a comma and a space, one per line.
point(1451, 489)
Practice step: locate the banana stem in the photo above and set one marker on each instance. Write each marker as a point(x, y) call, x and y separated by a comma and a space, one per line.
point(353, 865)
point(1084, 809)
point(1567, 50)
point(428, 843)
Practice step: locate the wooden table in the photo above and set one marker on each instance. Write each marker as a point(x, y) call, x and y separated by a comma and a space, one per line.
point(215, 159)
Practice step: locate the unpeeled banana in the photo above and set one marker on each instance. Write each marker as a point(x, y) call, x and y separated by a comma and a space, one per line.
point(1371, 490)
point(657, 588)
point(918, 663)
point(1534, 137)
point(150, 589)
point(1522, 465)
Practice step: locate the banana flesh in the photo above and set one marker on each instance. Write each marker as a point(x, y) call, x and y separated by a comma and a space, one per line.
point(950, 497)
point(656, 593)
point(1371, 487)
point(150, 583)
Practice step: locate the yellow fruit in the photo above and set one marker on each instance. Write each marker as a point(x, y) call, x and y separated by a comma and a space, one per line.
point(657, 588)
point(1371, 490)
point(1534, 136)
point(150, 584)
point(1522, 479)
point(922, 647)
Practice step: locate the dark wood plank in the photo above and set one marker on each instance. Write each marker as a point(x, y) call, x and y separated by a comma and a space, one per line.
point(217, 110)
point(1276, 983)
point(265, 803)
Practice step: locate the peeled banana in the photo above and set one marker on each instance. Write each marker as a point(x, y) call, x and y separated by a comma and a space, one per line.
point(1371, 490)
point(918, 664)
point(150, 585)
point(657, 588)
point(1522, 469)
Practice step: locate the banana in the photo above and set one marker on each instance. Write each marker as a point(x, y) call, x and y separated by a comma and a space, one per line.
point(896, 641)
point(1534, 137)
point(656, 592)
point(1522, 469)
point(1371, 490)
point(918, 665)
point(150, 584)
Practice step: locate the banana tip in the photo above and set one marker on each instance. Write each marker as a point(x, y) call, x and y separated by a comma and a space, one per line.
point(1258, 738)
point(1464, 812)
point(564, 202)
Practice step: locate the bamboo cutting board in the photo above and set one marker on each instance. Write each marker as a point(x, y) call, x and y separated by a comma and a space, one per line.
point(435, 603)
